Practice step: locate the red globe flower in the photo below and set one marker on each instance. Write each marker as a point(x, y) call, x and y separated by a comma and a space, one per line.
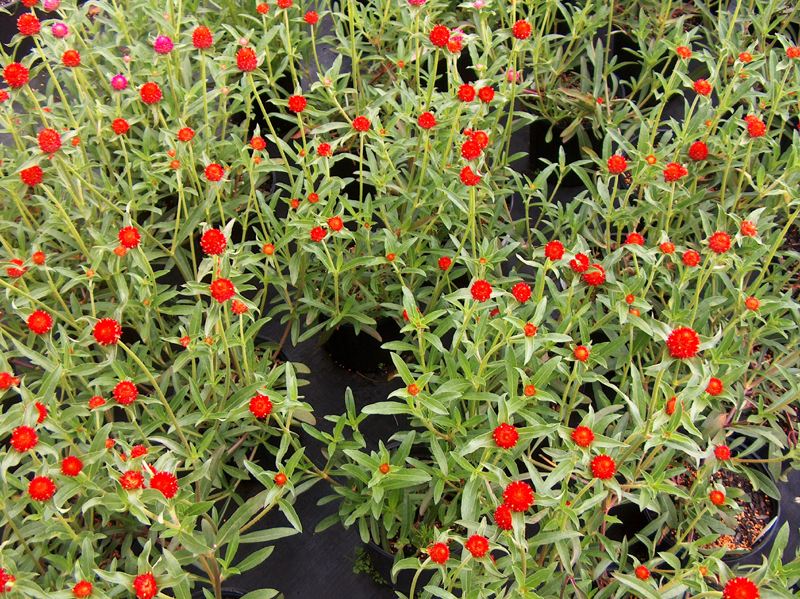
point(361, 123)
point(260, 406)
point(683, 52)
point(793, 52)
point(505, 436)
point(702, 87)
point(214, 172)
point(71, 466)
point(502, 517)
point(165, 482)
point(71, 59)
point(138, 451)
point(583, 436)
point(444, 263)
point(439, 553)
point(6, 381)
point(691, 258)
point(683, 343)
point(667, 247)
point(717, 497)
point(262, 8)
point(719, 242)
point(617, 164)
point(595, 276)
point(466, 93)
point(31, 176)
point(107, 331)
point(335, 223)
point(521, 292)
point(96, 402)
point(120, 126)
point(318, 234)
point(477, 545)
point(748, 229)
point(740, 588)
point(698, 151)
point(258, 143)
point(439, 36)
point(38, 258)
point(529, 330)
point(145, 586)
point(15, 75)
point(603, 467)
point(131, 480)
point(40, 322)
point(49, 141)
point(529, 391)
point(580, 264)
point(6, 581)
point(670, 408)
point(581, 353)
point(481, 290)
point(324, 149)
point(468, 177)
point(752, 303)
point(756, 127)
point(24, 438)
point(674, 172)
point(470, 150)
point(15, 273)
point(634, 238)
point(129, 237)
point(222, 290)
point(486, 94)
point(41, 488)
point(185, 134)
point(522, 30)
point(311, 17)
point(82, 589)
point(150, 93)
point(246, 60)
point(413, 390)
point(480, 138)
point(715, 386)
point(280, 479)
point(213, 242)
point(642, 573)
point(297, 104)
point(554, 250)
point(201, 37)
point(125, 392)
point(518, 496)
point(28, 24)
point(745, 57)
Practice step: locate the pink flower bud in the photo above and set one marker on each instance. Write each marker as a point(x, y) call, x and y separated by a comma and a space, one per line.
point(163, 45)
point(225, 91)
point(60, 30)
point(51, 4)
point(126, 59)
point(119, 82)
point(243, 41)
point(479, 4)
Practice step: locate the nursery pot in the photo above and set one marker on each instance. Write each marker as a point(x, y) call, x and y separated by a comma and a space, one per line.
point(226, 594)
point(383, 561)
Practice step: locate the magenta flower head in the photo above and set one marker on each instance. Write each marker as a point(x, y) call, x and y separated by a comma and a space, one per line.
point(416, 2)
point(479, 4)
point(51, 4)
point(119, 82)
point(163, 45)
point(60, 30)
point(512, 75)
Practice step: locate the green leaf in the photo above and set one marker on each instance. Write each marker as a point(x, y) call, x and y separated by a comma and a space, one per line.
point(254, 559)
point(261, 594)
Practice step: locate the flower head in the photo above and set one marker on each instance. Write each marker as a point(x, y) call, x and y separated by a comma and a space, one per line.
point(165, 482)
point(40, 322)
point(603, 467)
point(554, 250)
point(324, 149)
point(163, 45)
point(202, 38)
point(581, 353)
point(748, 228)
point(521, 292)
point(698, 151)
point(717, 497)
point(617, 164)
point(667, 247)
point(426, 120)
point(740, 588)
point(505, 436)
point(246, 60)
point(466, 93)
point(59, 30)
point(41, 488)
point(683, 343)
point(82, 589)
point(634, 238)
point(468, 177)
point(71, 466)
point(107, 331)
point(185, 134)
point(745, 57)
point(145, 586)
point(439, 36)
point(214, 172)
point(529, 329)
point(131, 480)
point(752, 303)
point(580, 263)
point(439, 553)
point(96, 402)
point(793, 52)
point(15, 75)
point(594, 276)
point(583, 436)
point(756, 127)
point(477, 545)
point(486, 94)
point(150, 93)
point(335, 223)
point(28, 24)
point(311, 18)
point(683, 52)
point(691, 258)
point(719, 242)
point(129, 237)
point(518, 496)
point(297, 104)
point(481, 290)
point(222, 290)
point(318, 234)
point(674, 172)
point(125, 392)
point(670, 407)
point(702, 87)
point(502, 517)
point(120, 126)
point(31, 176)
point(24, 438)
point(642, 573)
point(361, 123)
point(119, 82)
point(49, 141)
point(260, 406)
point(715, 387)
point(213, 242)
point(470, 150)
point(262, 8)
point(522, 30)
